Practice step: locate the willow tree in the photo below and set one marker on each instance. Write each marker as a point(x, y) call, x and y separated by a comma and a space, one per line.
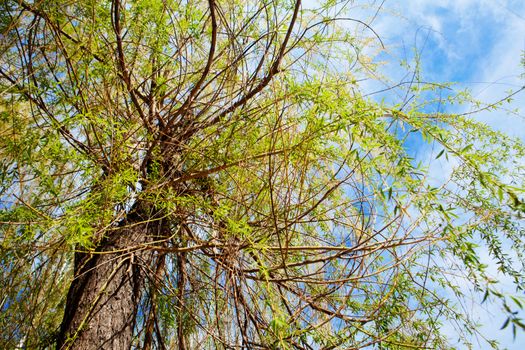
point(209, 174)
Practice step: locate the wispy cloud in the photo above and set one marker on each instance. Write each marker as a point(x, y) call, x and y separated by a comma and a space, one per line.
point(477, 44)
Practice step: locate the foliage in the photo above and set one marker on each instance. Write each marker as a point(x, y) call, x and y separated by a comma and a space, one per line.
point(296, 212)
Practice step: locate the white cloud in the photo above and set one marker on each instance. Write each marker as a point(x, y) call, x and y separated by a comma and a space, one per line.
point(479, 44)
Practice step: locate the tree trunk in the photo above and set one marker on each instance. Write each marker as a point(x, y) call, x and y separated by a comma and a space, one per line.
point(103, 299)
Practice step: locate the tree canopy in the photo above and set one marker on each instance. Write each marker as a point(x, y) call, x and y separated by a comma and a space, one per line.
point(180, 174)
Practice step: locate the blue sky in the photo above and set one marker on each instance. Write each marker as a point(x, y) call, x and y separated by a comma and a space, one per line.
point(478, 44)
point(475, 43)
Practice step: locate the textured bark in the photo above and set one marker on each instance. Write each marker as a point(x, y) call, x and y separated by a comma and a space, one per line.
point(103, 299)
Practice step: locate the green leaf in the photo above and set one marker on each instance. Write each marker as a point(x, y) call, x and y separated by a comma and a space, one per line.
point(506, 323)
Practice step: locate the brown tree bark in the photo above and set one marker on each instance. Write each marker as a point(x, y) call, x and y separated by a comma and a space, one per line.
point(103, 299)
